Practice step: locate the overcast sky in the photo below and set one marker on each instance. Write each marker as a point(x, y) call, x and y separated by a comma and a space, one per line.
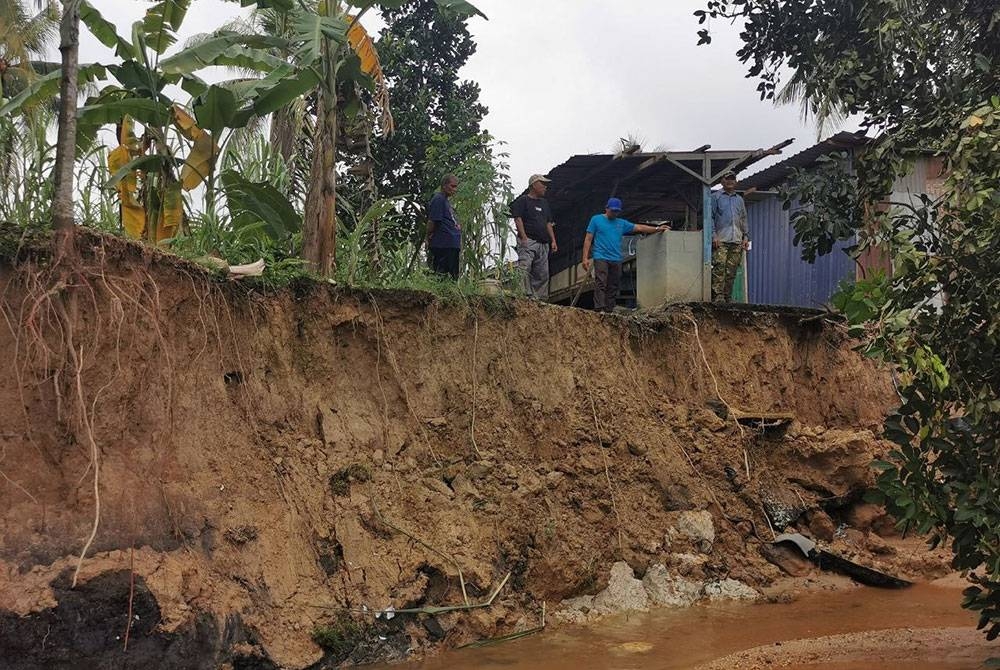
point(564, 77)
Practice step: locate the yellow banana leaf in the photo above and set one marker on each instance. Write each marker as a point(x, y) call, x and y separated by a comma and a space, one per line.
point(185, 122)
point(199, 162)
point(126, 137)
point(134, 221)
point(132, 213)
point(362, 44)
point(172, 213)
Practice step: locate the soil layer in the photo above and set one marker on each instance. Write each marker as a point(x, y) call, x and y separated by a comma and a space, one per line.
point(274, 466)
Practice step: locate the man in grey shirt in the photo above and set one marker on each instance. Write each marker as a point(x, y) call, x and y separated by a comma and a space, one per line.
point(730, 238)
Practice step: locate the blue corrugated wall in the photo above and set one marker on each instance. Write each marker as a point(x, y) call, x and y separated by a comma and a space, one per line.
point(777, 275)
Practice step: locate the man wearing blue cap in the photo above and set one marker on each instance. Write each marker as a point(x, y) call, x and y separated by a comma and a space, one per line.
point(604, 235)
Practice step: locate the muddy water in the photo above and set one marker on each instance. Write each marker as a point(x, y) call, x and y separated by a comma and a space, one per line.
point(673, 639)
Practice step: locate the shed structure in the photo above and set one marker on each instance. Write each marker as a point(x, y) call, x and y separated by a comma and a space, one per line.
point(670, 186)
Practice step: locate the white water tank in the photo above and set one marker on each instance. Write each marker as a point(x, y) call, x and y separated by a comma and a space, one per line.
point(668, 268)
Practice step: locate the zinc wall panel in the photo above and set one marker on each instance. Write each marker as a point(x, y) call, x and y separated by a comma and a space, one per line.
point(777, 275)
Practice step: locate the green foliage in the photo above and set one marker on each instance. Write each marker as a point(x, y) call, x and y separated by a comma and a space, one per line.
point(361, 246)
point(827, 209)
point(923, 76)
point(422, 52)
point(863, 300)
point(339, 637)
point(26, 191)
point(259, 205)
point(481, 202)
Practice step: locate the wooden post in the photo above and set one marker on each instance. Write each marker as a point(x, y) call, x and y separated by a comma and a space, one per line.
point(706, 231)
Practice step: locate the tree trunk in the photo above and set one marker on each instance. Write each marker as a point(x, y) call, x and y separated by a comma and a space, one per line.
point(62, 204)
point(319, 231)
point(284, 132)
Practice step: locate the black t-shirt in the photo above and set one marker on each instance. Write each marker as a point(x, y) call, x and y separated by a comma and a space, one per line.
point(535, 214)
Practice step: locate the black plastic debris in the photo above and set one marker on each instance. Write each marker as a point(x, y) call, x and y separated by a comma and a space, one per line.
point(827, 560)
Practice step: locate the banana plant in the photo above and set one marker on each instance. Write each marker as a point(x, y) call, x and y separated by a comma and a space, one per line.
point(134, 90)
point(319, 38)
point(321, 35)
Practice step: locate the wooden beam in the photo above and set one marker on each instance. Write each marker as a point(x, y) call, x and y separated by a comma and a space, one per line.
point(760, 153)
point(693, 155)
point(691, 172)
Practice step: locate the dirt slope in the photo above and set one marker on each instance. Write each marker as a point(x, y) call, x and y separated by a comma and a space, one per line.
point(270, 462)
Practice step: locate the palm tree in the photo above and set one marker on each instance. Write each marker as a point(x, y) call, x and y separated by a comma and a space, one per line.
point(62, 199)
point(823, 105)
point(24, 40)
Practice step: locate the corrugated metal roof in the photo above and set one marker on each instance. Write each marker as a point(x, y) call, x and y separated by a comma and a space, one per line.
point(776, 174)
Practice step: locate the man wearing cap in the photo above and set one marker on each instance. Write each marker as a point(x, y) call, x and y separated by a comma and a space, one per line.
point(604, 234)
point(730, 237)
point(536, 237)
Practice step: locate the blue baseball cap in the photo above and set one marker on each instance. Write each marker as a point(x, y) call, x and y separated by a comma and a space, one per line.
point(614, 204)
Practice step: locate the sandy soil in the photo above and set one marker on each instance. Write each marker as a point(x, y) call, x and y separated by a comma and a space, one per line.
point(893, 649)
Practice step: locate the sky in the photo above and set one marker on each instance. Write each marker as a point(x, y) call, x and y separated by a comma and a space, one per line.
point(565, 77)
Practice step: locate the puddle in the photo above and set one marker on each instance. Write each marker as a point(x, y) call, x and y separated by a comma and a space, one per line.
point(684, 639)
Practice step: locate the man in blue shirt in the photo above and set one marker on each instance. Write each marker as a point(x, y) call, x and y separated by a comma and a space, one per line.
point(730, 238)
point(444, 235)
point(604, 235)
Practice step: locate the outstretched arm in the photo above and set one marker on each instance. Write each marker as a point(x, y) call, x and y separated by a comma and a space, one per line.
point(649, 230)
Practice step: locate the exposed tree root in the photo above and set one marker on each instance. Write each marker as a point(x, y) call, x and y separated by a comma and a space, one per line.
point(45, 326)
point(475, 349)
point(607, 470)
point(394, 364)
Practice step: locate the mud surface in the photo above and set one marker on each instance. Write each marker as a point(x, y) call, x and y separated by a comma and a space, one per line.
point(283, 462)
point(850, 628)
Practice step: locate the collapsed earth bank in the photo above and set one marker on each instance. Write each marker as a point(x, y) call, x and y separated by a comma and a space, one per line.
point(273, 467)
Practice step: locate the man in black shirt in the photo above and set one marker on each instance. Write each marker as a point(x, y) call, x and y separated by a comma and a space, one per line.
point(536, 237)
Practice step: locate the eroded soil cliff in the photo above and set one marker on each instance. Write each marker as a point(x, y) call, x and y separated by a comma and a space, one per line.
point(272, 462)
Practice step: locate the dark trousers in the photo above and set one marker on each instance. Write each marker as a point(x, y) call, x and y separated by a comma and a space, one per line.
point(607, 277)
point(445, 261)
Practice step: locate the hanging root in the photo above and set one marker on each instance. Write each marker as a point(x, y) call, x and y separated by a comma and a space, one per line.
point(95, 458)
point(607, 471)
point(475, 350)
point(394, 364)
point(44, 323)
point(718, 394)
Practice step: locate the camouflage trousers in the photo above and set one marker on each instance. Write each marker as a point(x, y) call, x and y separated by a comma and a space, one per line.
point(726, 260)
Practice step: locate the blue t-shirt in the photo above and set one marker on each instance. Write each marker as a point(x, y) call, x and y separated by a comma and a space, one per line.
point(446, 233)
point(608, 237)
